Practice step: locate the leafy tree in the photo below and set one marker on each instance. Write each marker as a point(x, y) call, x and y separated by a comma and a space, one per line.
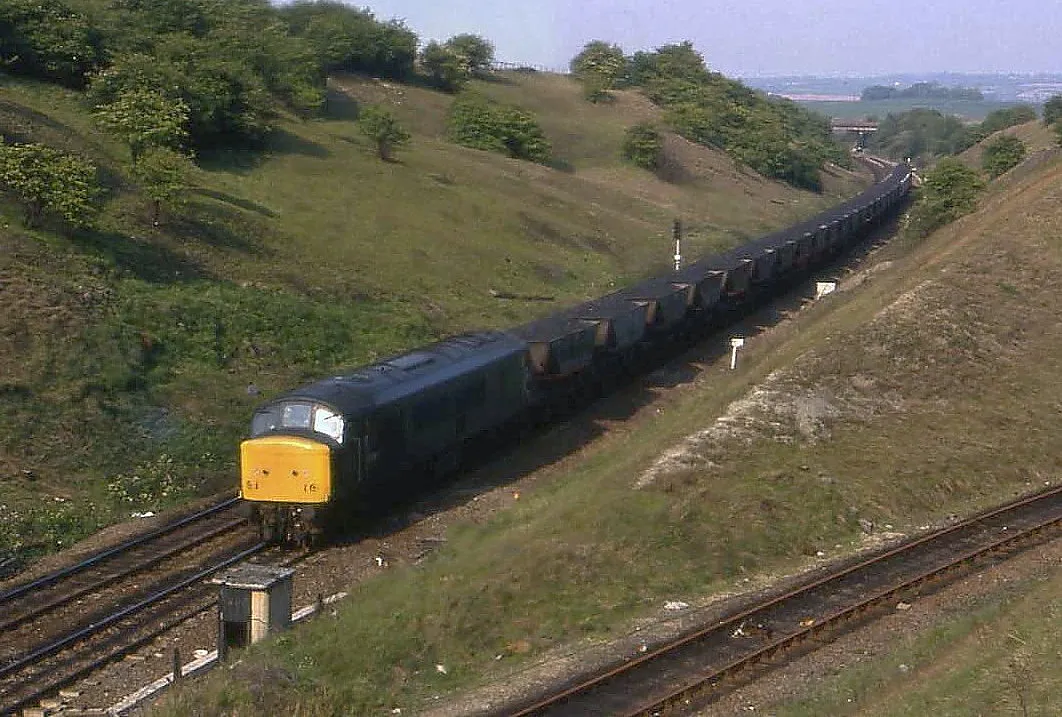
point(600, 67)
point(1001, 154)
point(48, 181)
point(776, 138)
point(644, 146)
point(949, 191)
point(1057, 126)
point(164, 176)
point(382, 127)
point(475, 53)
point(596, 89)
point(352, 40)
point(998, 120)
point(676, 62)
point(443, 67)
point(144, 118)
point(1053, 110)
point(919, 133)
point(481, 123)
point(228, 104)
point(47, 39)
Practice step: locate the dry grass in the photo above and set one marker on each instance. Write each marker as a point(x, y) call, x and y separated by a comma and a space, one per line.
point(1035, 135)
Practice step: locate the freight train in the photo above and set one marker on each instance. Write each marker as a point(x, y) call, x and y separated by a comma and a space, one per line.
point(329, 451)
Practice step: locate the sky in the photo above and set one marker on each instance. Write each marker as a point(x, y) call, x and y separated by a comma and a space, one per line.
point(749, 38)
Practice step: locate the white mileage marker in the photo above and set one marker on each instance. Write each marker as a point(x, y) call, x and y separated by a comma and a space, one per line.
point(735, 343)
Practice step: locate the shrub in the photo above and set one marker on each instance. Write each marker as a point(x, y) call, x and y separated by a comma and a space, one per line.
point(48, 181)
point(481, 123)
point(47, 40)
point(643, 145)
point(949, 191)
point(1001, 154)
point(163, 175)
point(144, 118)
point(444, 67)
point(381, 126)
point(475, 53)
point(1053, 110)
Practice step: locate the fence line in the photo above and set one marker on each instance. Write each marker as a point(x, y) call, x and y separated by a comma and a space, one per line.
point(527, 67)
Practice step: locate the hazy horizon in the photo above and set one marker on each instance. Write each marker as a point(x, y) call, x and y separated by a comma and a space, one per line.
point(768, 38)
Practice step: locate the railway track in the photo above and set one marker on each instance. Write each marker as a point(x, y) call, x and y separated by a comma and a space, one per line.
point(695, 669)
point(62, 626)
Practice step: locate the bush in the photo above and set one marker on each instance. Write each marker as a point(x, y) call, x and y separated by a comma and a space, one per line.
point(164, 176)
point(443, 67)
point(1053, 110)
point(481, 123)
point(227, 103)
point(1001, 154)
point(144, 118)
point(949, 191)
point(48, 181)
point(381, 126)
point(475, 53)
point(352, 40)
point(643, 145)
point(47, 40)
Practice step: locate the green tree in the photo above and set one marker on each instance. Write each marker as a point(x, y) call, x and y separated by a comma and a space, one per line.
point(475, 53)
point(164, 176)
point(1001, 154)
point(47, 181)
point(48, 40)
point(1053, 110)
point(600, 67)
point(228, 103)
point(443, 67)
point(949, 191)
point(480, 123)
point(644, 146)
point(144, 118)
point(352, 40)
point(381, 126)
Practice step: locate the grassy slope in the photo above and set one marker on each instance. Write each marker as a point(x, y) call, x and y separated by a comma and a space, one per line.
point(928, 387)
point(128, 351)
point(1036, 137)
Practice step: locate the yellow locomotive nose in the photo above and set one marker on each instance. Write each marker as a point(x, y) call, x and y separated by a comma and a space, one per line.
point(285, 469)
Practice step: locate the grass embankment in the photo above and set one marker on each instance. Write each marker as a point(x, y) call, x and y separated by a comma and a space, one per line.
point(928, 387)
point(1035, 135)
point(129, 351)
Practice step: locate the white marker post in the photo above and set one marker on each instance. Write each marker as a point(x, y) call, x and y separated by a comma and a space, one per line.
point(735, 343)
point(822, 288)
point(676, 230)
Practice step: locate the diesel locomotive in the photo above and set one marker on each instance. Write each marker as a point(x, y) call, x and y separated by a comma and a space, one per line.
point(321, 455)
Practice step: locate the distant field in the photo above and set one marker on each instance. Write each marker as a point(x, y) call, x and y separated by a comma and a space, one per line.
point(970, 111)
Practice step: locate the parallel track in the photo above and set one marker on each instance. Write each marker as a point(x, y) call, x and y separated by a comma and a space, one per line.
point(51, 632)
point(696, 668)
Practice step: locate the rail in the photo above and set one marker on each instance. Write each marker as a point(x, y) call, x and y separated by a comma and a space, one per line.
point(614, 690)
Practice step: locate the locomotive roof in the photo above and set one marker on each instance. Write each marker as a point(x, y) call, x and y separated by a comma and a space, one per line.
point(396, 377)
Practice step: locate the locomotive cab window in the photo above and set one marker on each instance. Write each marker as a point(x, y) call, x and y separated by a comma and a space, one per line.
point(300, 416)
